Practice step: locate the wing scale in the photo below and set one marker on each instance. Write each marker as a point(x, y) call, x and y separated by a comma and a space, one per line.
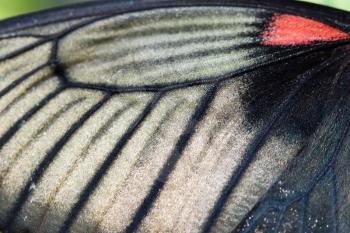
point(199, 79)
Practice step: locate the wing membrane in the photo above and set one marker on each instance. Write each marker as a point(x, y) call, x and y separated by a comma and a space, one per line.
point(172, 119)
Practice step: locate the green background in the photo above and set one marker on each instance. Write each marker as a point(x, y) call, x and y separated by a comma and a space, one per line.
point(341, 4)
point(10, 8)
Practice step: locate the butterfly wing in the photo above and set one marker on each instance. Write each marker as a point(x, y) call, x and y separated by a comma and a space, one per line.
point(180, 117)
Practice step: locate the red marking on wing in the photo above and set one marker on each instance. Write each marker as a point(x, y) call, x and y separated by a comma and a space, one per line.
point(295, 30)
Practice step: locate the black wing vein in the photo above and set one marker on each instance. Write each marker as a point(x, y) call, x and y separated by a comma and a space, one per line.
point(44, 164)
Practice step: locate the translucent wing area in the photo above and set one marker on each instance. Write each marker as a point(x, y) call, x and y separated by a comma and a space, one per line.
point(175, 119)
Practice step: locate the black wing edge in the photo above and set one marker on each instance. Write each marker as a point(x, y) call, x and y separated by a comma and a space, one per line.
point(328, 15)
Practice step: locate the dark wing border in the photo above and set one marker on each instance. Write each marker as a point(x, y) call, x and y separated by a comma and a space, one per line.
point(328, 15)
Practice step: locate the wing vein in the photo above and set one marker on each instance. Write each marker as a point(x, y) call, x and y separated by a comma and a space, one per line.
point(82, 155)
point(97, 178)
point(18, 81)
point(17, 125)
point(42, 129)
point(147, 144)
point(335, 200)
point(290, 54)
point(45, 163)
point(258, 141)
point(171, 162)
point(302, 217)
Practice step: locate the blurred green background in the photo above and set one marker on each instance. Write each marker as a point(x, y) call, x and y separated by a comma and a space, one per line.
point(341, 4)
point(10, 8)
